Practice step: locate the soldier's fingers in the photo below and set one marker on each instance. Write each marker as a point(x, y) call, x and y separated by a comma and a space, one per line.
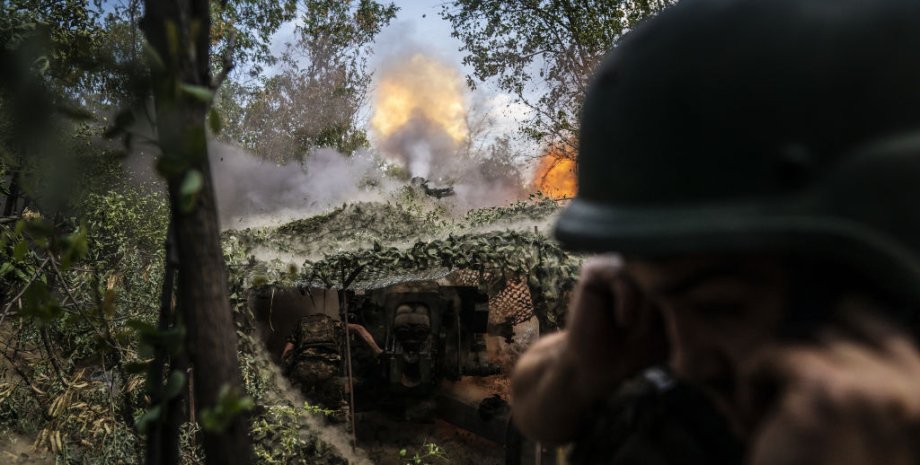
point(595, 295)
point(605, 287)
point(770, 375)
point(783, 437)
point(629, 302)
point(598, 273)
point(880, 334)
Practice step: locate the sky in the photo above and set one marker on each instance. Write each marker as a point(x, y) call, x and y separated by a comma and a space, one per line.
point(419, 26)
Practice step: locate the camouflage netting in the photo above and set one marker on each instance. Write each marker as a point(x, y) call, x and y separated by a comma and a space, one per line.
point(414, 239)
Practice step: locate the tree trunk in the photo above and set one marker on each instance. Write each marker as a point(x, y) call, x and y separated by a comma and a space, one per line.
point(180, 33)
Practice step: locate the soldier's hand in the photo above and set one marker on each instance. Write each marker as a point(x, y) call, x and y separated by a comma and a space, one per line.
point(853, 399)
point(612, 333)
point(613, 330)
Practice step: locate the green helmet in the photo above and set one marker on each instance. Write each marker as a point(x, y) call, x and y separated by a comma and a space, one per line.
point(725, 126)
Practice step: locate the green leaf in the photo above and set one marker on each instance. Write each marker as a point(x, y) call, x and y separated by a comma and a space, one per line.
point(39, 304)
point(76, 247)
point(229, 405)
point(141, 326)
point(41, 64)
point(214, 121)
point(172, 340)
point(20, 250)
point(188, 192)
point(146, 419)
point(38, 229)
point(200, 93)
point(153, 58)
point(145, 351)
point(174, 384)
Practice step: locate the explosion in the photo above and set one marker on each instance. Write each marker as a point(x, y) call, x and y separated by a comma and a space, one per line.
point(419, 112)
point(555, 176)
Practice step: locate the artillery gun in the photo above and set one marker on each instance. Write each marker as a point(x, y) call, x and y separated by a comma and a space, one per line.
point(442, 295)
point(437, 341)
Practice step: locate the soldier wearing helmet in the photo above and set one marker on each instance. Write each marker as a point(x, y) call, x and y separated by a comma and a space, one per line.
point(756, 166)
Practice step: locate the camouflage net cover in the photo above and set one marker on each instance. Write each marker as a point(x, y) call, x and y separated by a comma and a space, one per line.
point(416, 239)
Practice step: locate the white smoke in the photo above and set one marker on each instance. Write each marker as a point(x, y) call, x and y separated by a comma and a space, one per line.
point(252, 191)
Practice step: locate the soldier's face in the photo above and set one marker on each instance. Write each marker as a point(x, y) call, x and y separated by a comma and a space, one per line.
point(718, 313)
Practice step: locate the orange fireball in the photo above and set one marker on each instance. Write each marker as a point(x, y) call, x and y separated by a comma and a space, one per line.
point(423, 87)
point(555, 176)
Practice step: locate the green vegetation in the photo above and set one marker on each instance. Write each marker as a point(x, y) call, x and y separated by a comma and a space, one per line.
point(429, 454)
point(543, 52)
point(95, 359)
point(121, 333)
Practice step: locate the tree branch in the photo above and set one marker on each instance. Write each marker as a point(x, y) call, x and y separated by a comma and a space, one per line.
point(227, 63)
point(38, 273)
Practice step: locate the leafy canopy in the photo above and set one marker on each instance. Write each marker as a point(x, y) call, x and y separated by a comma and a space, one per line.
point(543, 52)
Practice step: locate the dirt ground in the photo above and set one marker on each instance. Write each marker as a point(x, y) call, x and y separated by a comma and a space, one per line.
point(383, 437)
point(17, 450)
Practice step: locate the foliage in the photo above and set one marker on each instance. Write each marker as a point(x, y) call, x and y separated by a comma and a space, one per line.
point(314, 99)
point(543, 52)
point(74, 396)
point(81, 398)
point(190, 451)
point(81, 279)
point(241, 30)
point(230, 404)
point(429, 454)
point(128, 224)
point(68, 32)
point(81, 426)
point(282, 436)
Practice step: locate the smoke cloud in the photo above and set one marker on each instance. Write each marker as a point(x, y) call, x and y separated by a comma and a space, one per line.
point(423, 118)
point(419, 113)
point(252, 191)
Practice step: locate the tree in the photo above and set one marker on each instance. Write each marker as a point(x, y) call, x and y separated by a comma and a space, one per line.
point(180, 35)
point(64, 67)
point(315, 99)
point(543, 52)
point(48, 47)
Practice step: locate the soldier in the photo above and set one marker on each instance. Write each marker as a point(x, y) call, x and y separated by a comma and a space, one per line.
point(757, 165)
point(312, 359)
